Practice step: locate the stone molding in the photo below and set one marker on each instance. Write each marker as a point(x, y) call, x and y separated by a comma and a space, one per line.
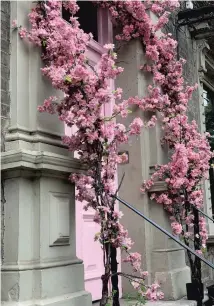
point(210, 240)
point(168, 250)
point(159, 186)
point(34, 137)
point(71, 299)
point(38, 161)
point(40, 265)
point(202, 48)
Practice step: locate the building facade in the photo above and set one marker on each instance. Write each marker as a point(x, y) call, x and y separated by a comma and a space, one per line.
point(47, 248)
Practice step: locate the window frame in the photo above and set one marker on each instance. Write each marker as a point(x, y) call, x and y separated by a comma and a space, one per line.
point(206, 82)
point(105, 30)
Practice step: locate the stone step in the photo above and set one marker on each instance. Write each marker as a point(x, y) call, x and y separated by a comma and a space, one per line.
point(182, 302)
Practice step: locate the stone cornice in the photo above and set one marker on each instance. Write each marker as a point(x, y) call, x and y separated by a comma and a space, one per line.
point(39, 265)
point(202, 48)
point(210, 240)
point(159, 186)
point(34, 161)
point(34, 137)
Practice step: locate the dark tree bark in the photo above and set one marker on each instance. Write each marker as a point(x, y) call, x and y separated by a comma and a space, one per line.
point(105, 280)
point(114, 278)
point(196, 277)
point(106, 276)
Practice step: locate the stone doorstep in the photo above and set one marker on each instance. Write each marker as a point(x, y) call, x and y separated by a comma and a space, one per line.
point(182, 302)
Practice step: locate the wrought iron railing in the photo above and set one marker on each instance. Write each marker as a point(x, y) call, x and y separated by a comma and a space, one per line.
point(166, 232)
point(204, 214)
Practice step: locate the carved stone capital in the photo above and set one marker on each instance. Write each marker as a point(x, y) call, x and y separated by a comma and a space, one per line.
point(202, 49)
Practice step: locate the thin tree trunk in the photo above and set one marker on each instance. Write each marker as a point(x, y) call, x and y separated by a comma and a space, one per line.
point(197, 245)
point(106, 276)
point(105, 280)
point(197, 263)
point(114, 278)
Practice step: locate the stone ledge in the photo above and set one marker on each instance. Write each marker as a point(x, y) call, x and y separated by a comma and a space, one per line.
point(158, 187)
point(210, 239)
point(35, 161)
point(80, 298)
point(168, 250)
point(40, 135)
point(182, 302)
point(39, 265)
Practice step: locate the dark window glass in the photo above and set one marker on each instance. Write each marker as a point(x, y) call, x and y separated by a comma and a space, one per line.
point(87, 17)
point(209, 120)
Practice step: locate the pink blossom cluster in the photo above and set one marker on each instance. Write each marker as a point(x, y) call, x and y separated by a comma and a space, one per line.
point(86, 91)
point(189, 164)
point(97, 138)
point(152, 292)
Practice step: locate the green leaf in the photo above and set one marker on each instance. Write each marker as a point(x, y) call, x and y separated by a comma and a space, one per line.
point(68, 79)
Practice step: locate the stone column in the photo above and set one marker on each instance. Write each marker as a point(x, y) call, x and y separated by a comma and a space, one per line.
point(40, 264)
point(164, 260)
point(202, 49)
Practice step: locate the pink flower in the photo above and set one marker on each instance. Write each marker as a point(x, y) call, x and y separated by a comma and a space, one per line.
point(151, 123)
point(135, 260)
point(23, 32)
point(122, 158)
point(135, 126)
point(144, 273)
point(109, 46)
point(177, 228)
point(117, 214)
point(14, 23)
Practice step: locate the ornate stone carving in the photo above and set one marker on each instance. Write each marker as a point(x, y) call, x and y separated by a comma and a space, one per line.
point(202, 48)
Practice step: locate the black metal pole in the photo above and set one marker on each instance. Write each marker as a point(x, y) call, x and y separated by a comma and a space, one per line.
point(164, 231)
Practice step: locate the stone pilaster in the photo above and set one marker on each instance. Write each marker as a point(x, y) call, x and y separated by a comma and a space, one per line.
point(168, 258)
point(202, 50)
point(40, 264)
point(164, 260)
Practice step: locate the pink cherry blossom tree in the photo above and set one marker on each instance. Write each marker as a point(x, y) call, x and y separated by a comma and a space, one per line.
point(169, 95)
point(97, 137)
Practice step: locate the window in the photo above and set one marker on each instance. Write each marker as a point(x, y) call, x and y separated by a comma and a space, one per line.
point(208, 97)
point(87, 17)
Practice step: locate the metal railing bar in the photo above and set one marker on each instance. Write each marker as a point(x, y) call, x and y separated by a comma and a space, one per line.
point(203, 213)
point(164, 231)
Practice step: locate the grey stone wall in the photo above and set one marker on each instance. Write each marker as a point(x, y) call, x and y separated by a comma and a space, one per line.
point(5, 66)
point(5, 94)
point(186, 49)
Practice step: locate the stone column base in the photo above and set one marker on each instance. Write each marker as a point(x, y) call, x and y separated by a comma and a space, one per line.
point(82, 298)
point(173, 283)
point(171, 272)
point(30, 286)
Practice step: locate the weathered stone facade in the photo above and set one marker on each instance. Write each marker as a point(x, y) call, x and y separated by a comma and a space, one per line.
point(190, 49)
point(37, 267)
point(5, 94)
point(161, 256)
point(186, 49)
point(5, 64)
